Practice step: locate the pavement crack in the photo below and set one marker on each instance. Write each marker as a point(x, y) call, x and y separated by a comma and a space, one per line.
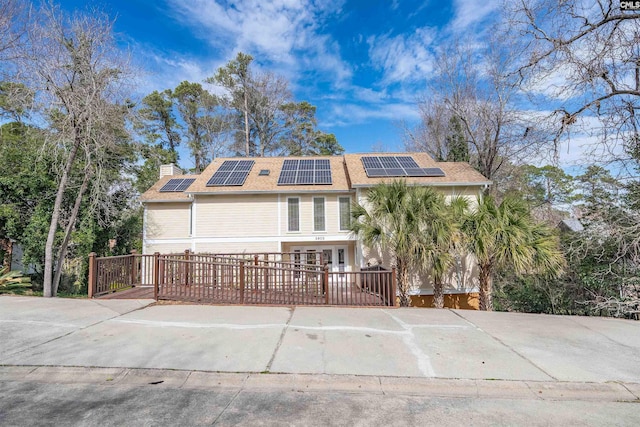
point(235, 396)
point(498, 340)
point(409, 339)
point(282, 334)
point(600, 333)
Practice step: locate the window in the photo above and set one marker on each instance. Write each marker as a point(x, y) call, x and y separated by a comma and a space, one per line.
point(345, 212)
point(294, 213)
point(318, 214)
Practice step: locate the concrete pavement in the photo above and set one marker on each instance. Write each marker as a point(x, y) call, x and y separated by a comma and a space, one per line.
point(366, 356)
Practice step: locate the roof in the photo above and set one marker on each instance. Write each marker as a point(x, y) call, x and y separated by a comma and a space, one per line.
point(347, 173)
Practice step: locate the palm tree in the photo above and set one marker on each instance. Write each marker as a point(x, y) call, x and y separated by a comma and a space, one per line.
point(392, 220)
point(506, 235)
point(444, 240)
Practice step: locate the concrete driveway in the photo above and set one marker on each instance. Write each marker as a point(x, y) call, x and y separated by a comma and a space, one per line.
point(227, 365)
point(423, 343)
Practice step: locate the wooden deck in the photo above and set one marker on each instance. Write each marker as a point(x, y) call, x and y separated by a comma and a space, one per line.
point(349, 293)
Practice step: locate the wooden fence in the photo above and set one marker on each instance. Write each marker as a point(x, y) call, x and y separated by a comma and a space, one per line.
point(240, 279)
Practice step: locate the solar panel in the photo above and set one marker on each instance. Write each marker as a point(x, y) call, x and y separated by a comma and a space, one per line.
point(396, 166)
point(371, 163)
point(307, 165)
point(433, 172)
point(290, 165)
point(376, 172)
point(171, 185)
point(228, 166)
point(323, 164)
point(287, 177)
point(236, 178)
point(305, 177)
point(323, 177)
point(305, 172)
point(177, 185)
point(218, 178)
point(415, 172)
point(389, 162)
point(232, 173)
point(244, 166)
point(407, 162)
point(185, 184)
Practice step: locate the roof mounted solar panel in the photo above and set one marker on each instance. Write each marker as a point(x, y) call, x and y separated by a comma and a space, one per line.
point(396, 166)
point(389, 162)
point(176, 185)
point(305, 172)
point(323, 176)
point(376, 172)
point(290, 165)
point(323, 164)
point(307, 165)
point(407, 162)
point(415, 172)
point(433, 172)
point(305, 177)
point(185, 184)
point(371, 163)
point(287, 177)
point(395, 172)
point(244, 165)
point(228, 166)
point(231, 173)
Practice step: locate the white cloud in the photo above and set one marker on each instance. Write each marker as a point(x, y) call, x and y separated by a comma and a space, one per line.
point(284, 33)
point(405, 57)
point(470, 12)
point(345, 114)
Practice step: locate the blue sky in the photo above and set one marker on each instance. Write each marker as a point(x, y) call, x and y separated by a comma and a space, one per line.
point(362, 63)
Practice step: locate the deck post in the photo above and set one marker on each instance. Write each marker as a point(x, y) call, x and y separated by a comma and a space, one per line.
point(134, 267)
point(241, 282)
point(187, 267)
point(325, 284)
point(156, 274)
point(394, 283)
point(266, 272)
point(92, 274)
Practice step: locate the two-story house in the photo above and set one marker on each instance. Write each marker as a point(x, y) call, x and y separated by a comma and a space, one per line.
point(297, 205)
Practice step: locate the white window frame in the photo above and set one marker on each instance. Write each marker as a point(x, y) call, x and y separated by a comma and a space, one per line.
point(289, 215)
point(340, 212)
point(324, 213)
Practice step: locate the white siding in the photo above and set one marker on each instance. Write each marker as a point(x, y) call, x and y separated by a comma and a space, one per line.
point(167, 220)
point(237, 216)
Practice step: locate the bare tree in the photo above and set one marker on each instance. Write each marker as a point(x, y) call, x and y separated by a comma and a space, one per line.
point(583, 58)
point(269, 93)
point(76, 72)
point(13, 23)
point(471, 87)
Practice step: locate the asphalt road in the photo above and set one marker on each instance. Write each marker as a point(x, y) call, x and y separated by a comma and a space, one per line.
point(81, 362)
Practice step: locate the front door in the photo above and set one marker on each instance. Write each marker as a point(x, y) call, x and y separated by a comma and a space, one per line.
point(335, 257)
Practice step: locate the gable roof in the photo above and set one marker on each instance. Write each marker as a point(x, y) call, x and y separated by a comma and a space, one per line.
point(347, 173)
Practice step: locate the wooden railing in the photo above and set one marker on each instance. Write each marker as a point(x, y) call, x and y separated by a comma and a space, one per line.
point(240, 280)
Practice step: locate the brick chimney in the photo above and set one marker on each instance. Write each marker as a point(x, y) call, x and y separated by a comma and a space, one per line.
point(170, 169)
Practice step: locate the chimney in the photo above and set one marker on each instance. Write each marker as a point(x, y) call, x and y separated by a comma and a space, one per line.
point(170, 169)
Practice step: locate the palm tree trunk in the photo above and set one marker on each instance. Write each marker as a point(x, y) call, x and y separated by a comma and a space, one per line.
point(486, 283)
point(403, 288)
point(438, 294)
